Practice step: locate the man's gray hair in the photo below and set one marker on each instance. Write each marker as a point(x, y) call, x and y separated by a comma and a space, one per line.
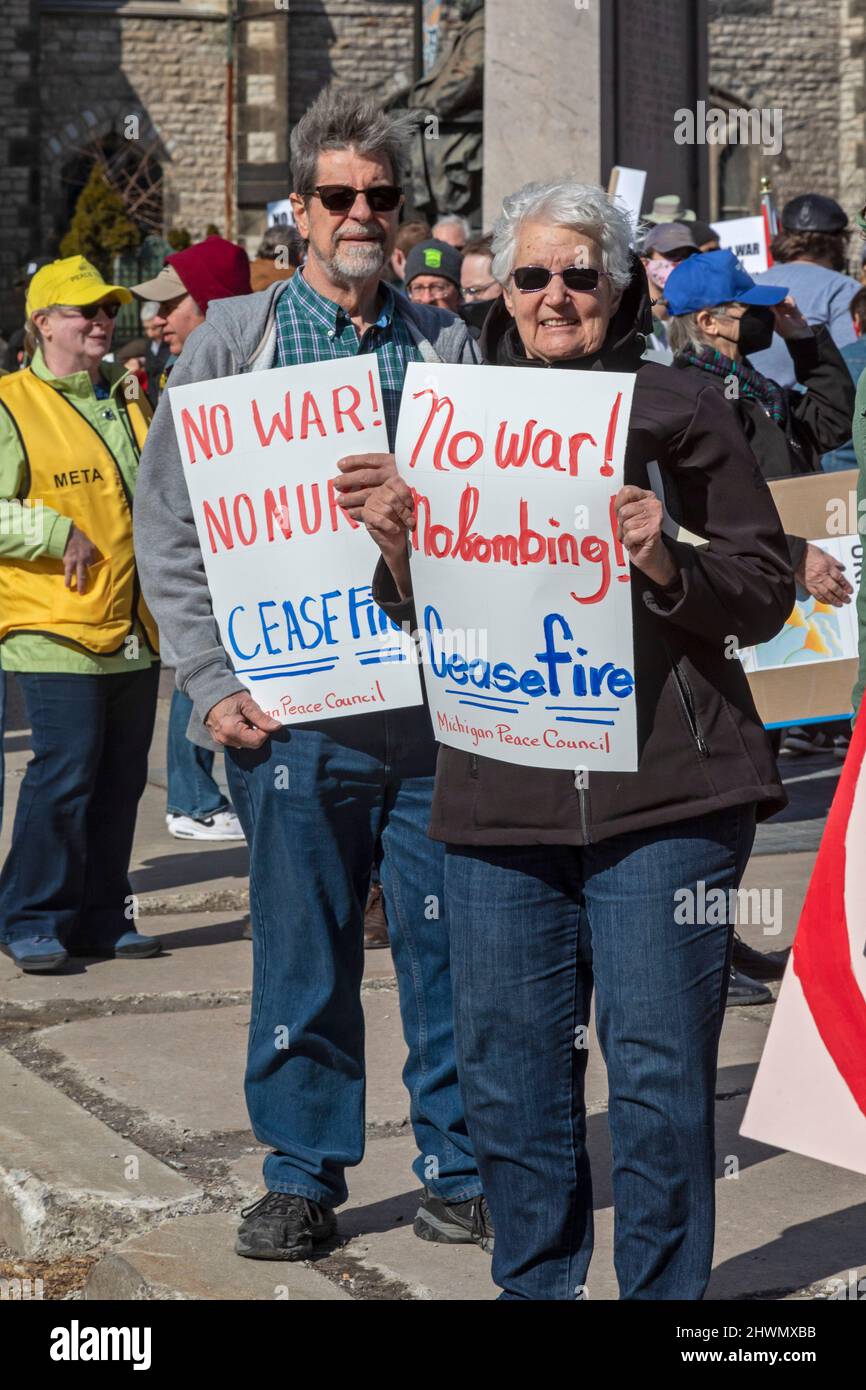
point(581, 206)
point(149, 310)
point(340, 120)
point(453, 219)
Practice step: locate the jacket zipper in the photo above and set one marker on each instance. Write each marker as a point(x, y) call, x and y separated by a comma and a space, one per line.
point(473, 764)
point(687, 698)
point(582, 801)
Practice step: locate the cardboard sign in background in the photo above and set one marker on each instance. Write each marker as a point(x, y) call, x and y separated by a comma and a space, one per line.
point(797, 694)
point(289, 574)
point(522, 591)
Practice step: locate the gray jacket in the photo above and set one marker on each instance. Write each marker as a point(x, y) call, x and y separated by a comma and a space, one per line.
point(240, 335)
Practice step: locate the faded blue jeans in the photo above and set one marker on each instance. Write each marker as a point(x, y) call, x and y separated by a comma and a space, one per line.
point(314, 802)
point(192, 790)
point(532, 930)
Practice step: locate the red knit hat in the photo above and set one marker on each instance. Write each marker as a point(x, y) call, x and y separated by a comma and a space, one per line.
point(212, 269)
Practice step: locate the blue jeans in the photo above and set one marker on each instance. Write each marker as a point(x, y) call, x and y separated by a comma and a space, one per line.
point(315, 802)
point(66, 874)
point(192, 790)
point(532, 928)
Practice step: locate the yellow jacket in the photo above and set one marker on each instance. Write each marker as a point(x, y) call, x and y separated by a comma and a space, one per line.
point(71, 469)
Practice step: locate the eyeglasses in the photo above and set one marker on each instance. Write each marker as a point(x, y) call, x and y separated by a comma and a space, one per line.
point(473, 291)
point(529, 279)
point(339, 197)
point(424, 292)
point(89, 311)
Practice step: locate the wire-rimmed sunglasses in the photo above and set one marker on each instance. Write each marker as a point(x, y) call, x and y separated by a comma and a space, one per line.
point(339, 197)
point(529, 279)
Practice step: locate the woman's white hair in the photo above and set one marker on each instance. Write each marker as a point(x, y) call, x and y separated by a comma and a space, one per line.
point(581, 206)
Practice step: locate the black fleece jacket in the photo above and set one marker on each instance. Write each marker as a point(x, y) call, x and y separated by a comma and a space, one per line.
point(701, 745)
point(817, 419)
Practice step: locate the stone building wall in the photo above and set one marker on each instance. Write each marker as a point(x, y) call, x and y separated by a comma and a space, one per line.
point(166, 63)
point(98, 69)
point(352, 43)
point(808, 59)
point(19, 142)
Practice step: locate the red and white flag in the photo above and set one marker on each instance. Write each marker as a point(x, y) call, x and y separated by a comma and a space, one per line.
point(810, 1091)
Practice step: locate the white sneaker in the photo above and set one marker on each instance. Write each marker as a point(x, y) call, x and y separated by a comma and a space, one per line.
point(222, 825)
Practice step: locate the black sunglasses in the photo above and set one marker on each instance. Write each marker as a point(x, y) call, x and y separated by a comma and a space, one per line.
point(529, 279)
point(89, 311)
point(339, 197)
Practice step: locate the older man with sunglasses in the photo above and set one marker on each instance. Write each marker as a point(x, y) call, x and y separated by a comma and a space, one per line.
point(74, 627)
point(320, 801)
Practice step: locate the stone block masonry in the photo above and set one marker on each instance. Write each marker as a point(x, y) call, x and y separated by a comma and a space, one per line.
point(170, 72)
point(810, 60)
point(19, 141)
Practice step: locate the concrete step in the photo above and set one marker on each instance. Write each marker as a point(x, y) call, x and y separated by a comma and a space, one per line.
point(186, 1069)
point(204, 958)
point(192, 1257)
point(68, 1183)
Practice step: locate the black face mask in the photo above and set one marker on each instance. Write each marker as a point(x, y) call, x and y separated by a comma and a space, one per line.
point(756, 329)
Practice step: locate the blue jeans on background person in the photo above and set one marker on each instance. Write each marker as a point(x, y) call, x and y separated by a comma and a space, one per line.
point(313, 802)
point(532, 928)
point(67, 872)
point(192, 790)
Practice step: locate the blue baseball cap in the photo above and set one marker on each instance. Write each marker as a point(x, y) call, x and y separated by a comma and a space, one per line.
point(711, 278)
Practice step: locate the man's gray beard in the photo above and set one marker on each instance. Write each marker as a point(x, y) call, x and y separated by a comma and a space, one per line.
point(345, 269)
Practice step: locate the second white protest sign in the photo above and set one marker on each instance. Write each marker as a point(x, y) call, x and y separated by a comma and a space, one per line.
point(521, 587)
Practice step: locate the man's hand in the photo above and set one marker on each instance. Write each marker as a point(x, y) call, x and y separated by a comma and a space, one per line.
point(824, 577)
point(789, 321)
point(79, 553)
point(639, 515)
point(237, 722)
point(389, 514)
point(359, 475)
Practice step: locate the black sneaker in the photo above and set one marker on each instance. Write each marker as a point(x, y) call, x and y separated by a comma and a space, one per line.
point(454, 1223)
point(742, 990)
point(283, 1226)
point(759, 965)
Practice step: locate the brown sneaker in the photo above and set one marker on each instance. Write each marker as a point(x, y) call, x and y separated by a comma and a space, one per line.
point(375, 921)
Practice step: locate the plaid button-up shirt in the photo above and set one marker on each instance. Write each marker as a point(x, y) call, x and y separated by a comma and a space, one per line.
point(311, 328)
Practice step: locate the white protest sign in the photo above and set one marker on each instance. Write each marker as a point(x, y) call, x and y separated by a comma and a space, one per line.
point(289, 573)
point(628, 186)
point(522, 590)
point(747, 238)
point(281, 213)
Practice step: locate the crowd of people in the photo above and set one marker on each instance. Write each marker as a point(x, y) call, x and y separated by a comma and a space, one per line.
point(555, 893)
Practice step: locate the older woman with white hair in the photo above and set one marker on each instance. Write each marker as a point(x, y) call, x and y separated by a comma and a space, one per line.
point(556, 885)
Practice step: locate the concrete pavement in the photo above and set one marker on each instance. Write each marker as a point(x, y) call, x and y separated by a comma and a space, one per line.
point(124, 1140)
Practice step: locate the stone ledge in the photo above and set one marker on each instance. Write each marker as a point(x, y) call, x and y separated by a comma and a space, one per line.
point(59, 1201)
point(192, 1258)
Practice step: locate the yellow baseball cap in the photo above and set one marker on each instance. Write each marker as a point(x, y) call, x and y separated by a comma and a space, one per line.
point(72, 280)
